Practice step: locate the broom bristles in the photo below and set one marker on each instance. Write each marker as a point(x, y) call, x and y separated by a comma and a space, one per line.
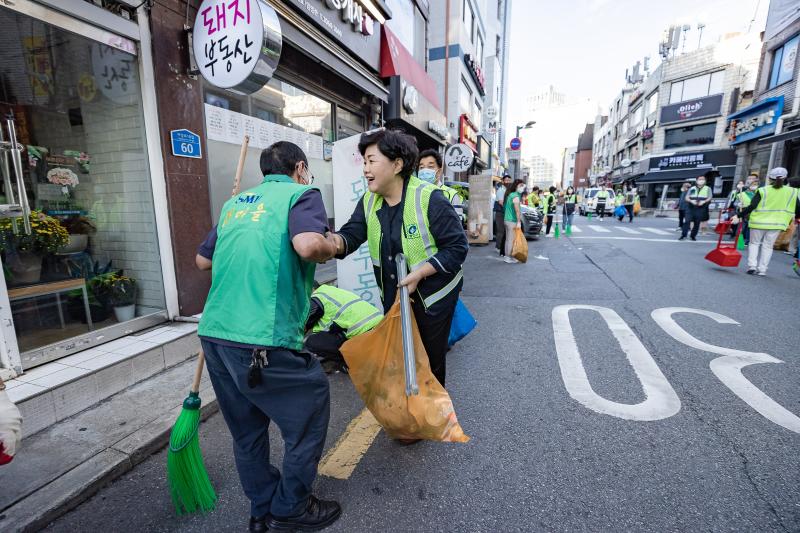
point(189, 485)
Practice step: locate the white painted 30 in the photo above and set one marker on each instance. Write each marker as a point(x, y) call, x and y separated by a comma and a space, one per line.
point(728, 368)
point(661, 400)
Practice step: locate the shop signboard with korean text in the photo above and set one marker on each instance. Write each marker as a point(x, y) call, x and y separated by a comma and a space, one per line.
point(756, 121)
point(354, 273)
point(348, 22)
point(185, 143)
point(237, 43)
point(708, 106)
point(707, 159)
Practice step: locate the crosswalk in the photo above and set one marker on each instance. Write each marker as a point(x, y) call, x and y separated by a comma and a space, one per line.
point(626, 231)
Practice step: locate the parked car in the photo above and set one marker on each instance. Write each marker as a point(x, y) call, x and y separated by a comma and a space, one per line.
point(531, 221)
point(588, 202)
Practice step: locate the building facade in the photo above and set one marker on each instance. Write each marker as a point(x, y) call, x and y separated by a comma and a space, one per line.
point(583, 158)
point(568, 166)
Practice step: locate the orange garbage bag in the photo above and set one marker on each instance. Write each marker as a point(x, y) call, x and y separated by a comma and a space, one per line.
point(375, 364)
point(519, 250)
point(784, 238)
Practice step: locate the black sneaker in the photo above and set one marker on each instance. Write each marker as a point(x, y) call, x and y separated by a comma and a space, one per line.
point(258, 525)
point(694, 238)
point(751, 271)
point(681, 238)
point(319, 514)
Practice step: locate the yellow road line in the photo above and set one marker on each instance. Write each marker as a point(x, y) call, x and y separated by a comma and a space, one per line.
point(342, 459)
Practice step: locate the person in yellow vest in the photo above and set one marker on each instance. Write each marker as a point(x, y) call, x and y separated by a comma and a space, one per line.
point(400, 213)
point(619, 205)
point(771, 211)
point(743, 200)
point(549, 208)
point(697, 199)
point(335, 316)
point(602, 198)
point(429, 169)
point(533, 198)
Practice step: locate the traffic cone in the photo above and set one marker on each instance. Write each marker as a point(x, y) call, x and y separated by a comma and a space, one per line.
point(558, 232)
point(568, 231)
point(589, 217)
point(740, 243)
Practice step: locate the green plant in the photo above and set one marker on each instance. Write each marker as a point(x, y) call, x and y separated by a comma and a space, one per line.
point(80, 225)
point(121, 290)
point(47, 234)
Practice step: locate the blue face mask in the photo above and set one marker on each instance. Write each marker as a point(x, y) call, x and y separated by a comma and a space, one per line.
point(427, 174)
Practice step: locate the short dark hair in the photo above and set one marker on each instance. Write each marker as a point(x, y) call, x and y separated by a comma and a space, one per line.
point(506, 176)
point(430, 152)
point(536, 188)
point(393, 144)
point(552, 188)
point(281, 158)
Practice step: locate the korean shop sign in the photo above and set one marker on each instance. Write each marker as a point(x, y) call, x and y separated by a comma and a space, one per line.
point(237, 43)
point(756, 121)
point(708, 106)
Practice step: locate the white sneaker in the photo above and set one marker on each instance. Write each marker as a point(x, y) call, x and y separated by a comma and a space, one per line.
point(509, 260)
point(762, 273)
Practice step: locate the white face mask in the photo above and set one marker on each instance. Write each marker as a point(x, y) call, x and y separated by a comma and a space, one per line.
point(754, 187)
point(520, 189)
point(701, 183)
point(427, 174)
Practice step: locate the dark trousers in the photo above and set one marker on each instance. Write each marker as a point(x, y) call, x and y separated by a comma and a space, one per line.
point(549, 224)
point(693, 218)
point(629, 209)
point(294, 393)
point(681, 217)
point(600, 209)
point(325, 345)
point(746, 231)
point(434, 332)
point(500, 236)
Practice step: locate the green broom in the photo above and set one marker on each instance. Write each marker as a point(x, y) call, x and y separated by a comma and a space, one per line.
point(189, 486)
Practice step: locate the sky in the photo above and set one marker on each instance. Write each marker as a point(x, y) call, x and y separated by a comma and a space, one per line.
point(582, 47)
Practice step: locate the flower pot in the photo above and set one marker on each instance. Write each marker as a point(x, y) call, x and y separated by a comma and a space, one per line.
point(125, 312)
point(26, 268)
point(77, 243)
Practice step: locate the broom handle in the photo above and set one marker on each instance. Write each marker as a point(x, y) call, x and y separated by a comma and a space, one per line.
point(198, 372)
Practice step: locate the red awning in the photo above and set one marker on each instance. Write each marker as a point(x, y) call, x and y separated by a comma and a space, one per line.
point(396, 60)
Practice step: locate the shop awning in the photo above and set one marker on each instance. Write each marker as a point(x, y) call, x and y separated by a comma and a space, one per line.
point(785, 136)
point(673, 176)
point(396, 60)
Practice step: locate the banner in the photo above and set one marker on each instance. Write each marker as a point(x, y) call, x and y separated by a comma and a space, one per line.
point(480, 216)
point(355, 272)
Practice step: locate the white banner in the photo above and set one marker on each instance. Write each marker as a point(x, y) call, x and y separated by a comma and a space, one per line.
point(355, 272)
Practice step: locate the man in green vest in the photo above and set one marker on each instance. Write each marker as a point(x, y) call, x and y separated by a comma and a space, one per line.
point(602, 199)
point(697, 199)
point(335, 316)
point(771, 211)
point(263, 253)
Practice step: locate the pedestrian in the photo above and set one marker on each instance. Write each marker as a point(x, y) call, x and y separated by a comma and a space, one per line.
point(10, 427)
point(513, 216)
point(549, 203)
point(263, 253)
point(771, 211)
point(335, 316)
point(430, 169)
point(533, 198)
point(744, 199)
point(697, 199)
point(732, 206)
point(570, 199)
point(619, 205)
point(683, 205)
point(631, 199)
point(499, 215)
point(602, 198)
point(401, 213)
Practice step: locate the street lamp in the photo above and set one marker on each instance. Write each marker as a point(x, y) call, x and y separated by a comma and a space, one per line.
point(525, 127)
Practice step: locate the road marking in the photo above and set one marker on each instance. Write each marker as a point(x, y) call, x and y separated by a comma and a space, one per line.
point(576, 229)
point(598, 229)
point(728, 368)
point(676, 241)
point(661, 400)
point(656, 231)
point(342, 459)
point(630, 230)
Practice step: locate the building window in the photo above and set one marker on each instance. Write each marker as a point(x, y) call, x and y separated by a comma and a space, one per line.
point(477, 115)
point(480, 50)
point(420, 38)
point(697, 87)
point(498, 48)
point(783, 62)
point(465, 97)
point(699, 135)
point(652, 104)
point(499, 9)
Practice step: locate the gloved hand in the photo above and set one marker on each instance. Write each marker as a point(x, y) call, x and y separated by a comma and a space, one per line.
point(10, 428)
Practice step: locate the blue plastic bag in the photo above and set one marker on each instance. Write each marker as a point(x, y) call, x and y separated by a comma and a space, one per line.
point(620, 211)
point(463, 323)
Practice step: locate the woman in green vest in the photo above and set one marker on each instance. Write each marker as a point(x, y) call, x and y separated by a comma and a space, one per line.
point(570, 200)
point(513, 215)
point(401, 213)
point(771, 211)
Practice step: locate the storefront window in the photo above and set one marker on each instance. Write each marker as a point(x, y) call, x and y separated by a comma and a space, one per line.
point(690, 135)
point(348, 124)
point(92, 259)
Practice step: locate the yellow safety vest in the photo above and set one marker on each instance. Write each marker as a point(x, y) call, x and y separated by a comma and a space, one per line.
point(346, 309)
point(776, 208)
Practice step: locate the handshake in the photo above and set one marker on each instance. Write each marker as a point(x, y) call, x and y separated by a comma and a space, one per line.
point(10, 427)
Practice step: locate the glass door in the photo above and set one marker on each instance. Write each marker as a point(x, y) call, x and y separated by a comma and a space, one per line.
point(78, 243)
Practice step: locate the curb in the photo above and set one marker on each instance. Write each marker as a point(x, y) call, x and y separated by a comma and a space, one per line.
point(63, 494)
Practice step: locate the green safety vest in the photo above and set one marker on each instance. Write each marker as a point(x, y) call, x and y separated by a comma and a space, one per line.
point(549, 204)
point(745, 199)
point(533, 199)
point(775, 210)
point(619, 200)
point(260, 287)
point(351, 313)
point(703, 193)
point(416, 238)
point(450, 193)
point(602, 195)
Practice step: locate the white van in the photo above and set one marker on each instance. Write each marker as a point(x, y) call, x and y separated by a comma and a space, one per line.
point(588, 203)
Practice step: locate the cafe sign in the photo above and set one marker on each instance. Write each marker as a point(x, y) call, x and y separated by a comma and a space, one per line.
point(756, 121)
point(708, 106)
point(237, 43)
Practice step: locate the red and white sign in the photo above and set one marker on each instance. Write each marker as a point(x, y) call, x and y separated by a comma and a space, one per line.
point(467, 132)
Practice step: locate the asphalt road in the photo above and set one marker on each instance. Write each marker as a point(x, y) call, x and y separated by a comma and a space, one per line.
point(690, 455)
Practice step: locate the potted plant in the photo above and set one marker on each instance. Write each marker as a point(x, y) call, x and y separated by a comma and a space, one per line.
point(24, 253)
point(122, 295)
point(79, 228)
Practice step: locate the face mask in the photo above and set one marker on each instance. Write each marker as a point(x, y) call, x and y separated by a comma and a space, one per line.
point(427, 174)
point(701, 183)
point(754, 187)
point(520, 189)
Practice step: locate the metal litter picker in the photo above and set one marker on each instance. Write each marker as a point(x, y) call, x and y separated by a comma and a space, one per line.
point(189, 485)
point(409, 357)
